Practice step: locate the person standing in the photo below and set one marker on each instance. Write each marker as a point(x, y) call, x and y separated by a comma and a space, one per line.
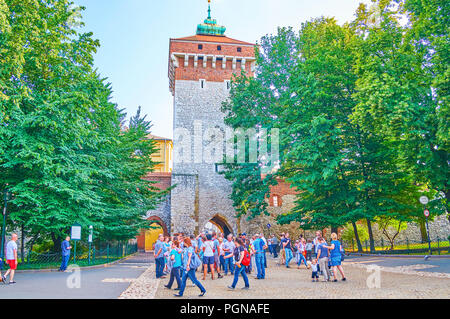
point(188, 270)
point(309, 247)
point(228, 247)
point(11, 259)
point(336, 257)
point(208, 256)
point(265, 249)
point(316, 242)
point(159, 256)
point(239, 269)
point(259, 246)
point(275, 246)
point(216, 255)
point(287, 249)
point(322, 258)
point(65, 251)
point(300, 254)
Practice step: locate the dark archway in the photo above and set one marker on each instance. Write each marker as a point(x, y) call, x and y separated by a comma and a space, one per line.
point(222, 224)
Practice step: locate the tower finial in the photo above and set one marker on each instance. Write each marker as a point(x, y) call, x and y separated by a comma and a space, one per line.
point(210, 26)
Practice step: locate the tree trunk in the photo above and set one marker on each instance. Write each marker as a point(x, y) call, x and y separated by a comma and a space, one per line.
point(423, 231)
point(358, 241)
point(372, 242)
point(56, 243)
point(22, 243)
point(334, 230)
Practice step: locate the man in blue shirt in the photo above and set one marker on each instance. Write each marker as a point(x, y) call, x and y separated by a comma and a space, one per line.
point(159, 251)
point(65, 251)
point(259, 245)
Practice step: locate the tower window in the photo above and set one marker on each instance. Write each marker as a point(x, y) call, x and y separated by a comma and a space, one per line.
point(228, 83)
point(200, 46)
point(239, 49)
point(202, 83)
point(219, 48)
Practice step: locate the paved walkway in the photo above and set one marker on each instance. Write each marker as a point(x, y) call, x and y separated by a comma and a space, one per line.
point(102, 283)
point(293, 283)
point(135, 279)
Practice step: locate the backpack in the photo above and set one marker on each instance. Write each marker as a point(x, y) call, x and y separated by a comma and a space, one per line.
point(246, 259)
point(195, 261)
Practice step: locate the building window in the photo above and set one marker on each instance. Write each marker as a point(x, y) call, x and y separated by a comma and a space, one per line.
point(276, 201)
point(239, 49)
point(202, 83)
point(219, 48)
point(228, 84)
point(200, 46)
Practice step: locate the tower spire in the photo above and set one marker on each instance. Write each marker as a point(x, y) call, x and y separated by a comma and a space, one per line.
point(210, 26)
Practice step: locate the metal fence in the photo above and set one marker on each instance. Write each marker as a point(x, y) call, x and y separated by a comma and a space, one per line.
point(97, 255)
point(401, 247)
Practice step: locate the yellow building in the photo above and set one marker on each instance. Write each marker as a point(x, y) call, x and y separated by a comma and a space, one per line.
point(164, 154)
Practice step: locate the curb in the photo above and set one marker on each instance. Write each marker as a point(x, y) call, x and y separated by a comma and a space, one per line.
point(400, 256)
point(24, 271)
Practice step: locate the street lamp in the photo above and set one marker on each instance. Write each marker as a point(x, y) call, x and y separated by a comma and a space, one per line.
point(6, 197)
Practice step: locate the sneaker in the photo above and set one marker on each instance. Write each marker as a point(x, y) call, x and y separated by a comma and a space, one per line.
point(167, 287)
point(12, 282)
point(4, 278)
point(178, 295)
point(202, 293)
point(245, 288)
point(344, 279)
point(231, 288)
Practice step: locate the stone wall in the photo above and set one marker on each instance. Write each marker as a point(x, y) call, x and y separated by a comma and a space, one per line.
point(200, 192)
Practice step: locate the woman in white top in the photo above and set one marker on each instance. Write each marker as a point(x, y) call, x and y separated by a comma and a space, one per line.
point(208, 256)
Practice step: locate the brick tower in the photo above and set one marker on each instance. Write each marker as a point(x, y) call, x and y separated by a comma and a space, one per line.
point(200, 69)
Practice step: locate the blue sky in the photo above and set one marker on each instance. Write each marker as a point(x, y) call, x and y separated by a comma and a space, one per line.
point(134, 37)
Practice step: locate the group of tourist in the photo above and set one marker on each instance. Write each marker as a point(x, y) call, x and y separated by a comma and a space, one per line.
point(181, 256)
point(327, 259)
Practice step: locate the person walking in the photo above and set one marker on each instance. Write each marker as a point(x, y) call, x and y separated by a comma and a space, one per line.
point(322, 258)
point(11, 259)
point(259, 246)
point(159, 256)
point(300, 254)
point(239, 269)
point(175, 257)
point(188, 270)
point(275, 246)
point(336, 257)
point(65, 252)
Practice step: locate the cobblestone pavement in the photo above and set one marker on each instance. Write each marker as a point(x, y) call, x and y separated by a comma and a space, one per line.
point(281, 283)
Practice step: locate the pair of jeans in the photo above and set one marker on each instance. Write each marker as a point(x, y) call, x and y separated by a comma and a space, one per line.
point(229, 265)
point(191, 275)
point(289, 255)
point(265, 259)
point(323, 262)
point(309, 255)
point(174, 274)
point(240, 271)
point(259, 260)
point(160, 263)
point(64, 262)
point(301, 258)
point(222, 262)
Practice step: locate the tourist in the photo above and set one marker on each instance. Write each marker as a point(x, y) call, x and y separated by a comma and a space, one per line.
point(228, 248)
point(316, 243)
point(287, 249)
point(309, 247)
point(216, 254)
point(189, 271)
point(222, 254)
point(322, 258)
point(159, 256)
point(11, 259)
point(275, 246)
point(300, 248)
point(175, 259)
point(282, 253)
point(167, 246)
point(259, 247)
point(208, 256)
point(65, 252)
point(315, 272)
point(265, 249)
point(239, 269)
point(249, 248)
point(336, 257)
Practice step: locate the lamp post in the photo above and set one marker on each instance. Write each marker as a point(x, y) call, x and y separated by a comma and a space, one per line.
point(6, 196)
point(91, 229)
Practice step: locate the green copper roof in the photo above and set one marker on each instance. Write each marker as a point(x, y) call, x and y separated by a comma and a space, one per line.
point(210, 26)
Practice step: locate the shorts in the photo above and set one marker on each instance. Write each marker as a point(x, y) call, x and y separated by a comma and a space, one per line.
point(208, 260)
point(12, 264)
point(315, 275)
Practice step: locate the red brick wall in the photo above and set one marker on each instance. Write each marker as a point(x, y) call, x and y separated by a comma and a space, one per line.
point(163, 180)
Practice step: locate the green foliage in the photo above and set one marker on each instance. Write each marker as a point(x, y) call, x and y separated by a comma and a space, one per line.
point(64, 151)
point(348, 233)
point(363, 120)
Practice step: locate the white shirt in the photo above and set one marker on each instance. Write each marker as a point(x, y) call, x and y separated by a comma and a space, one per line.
point(10, 247)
